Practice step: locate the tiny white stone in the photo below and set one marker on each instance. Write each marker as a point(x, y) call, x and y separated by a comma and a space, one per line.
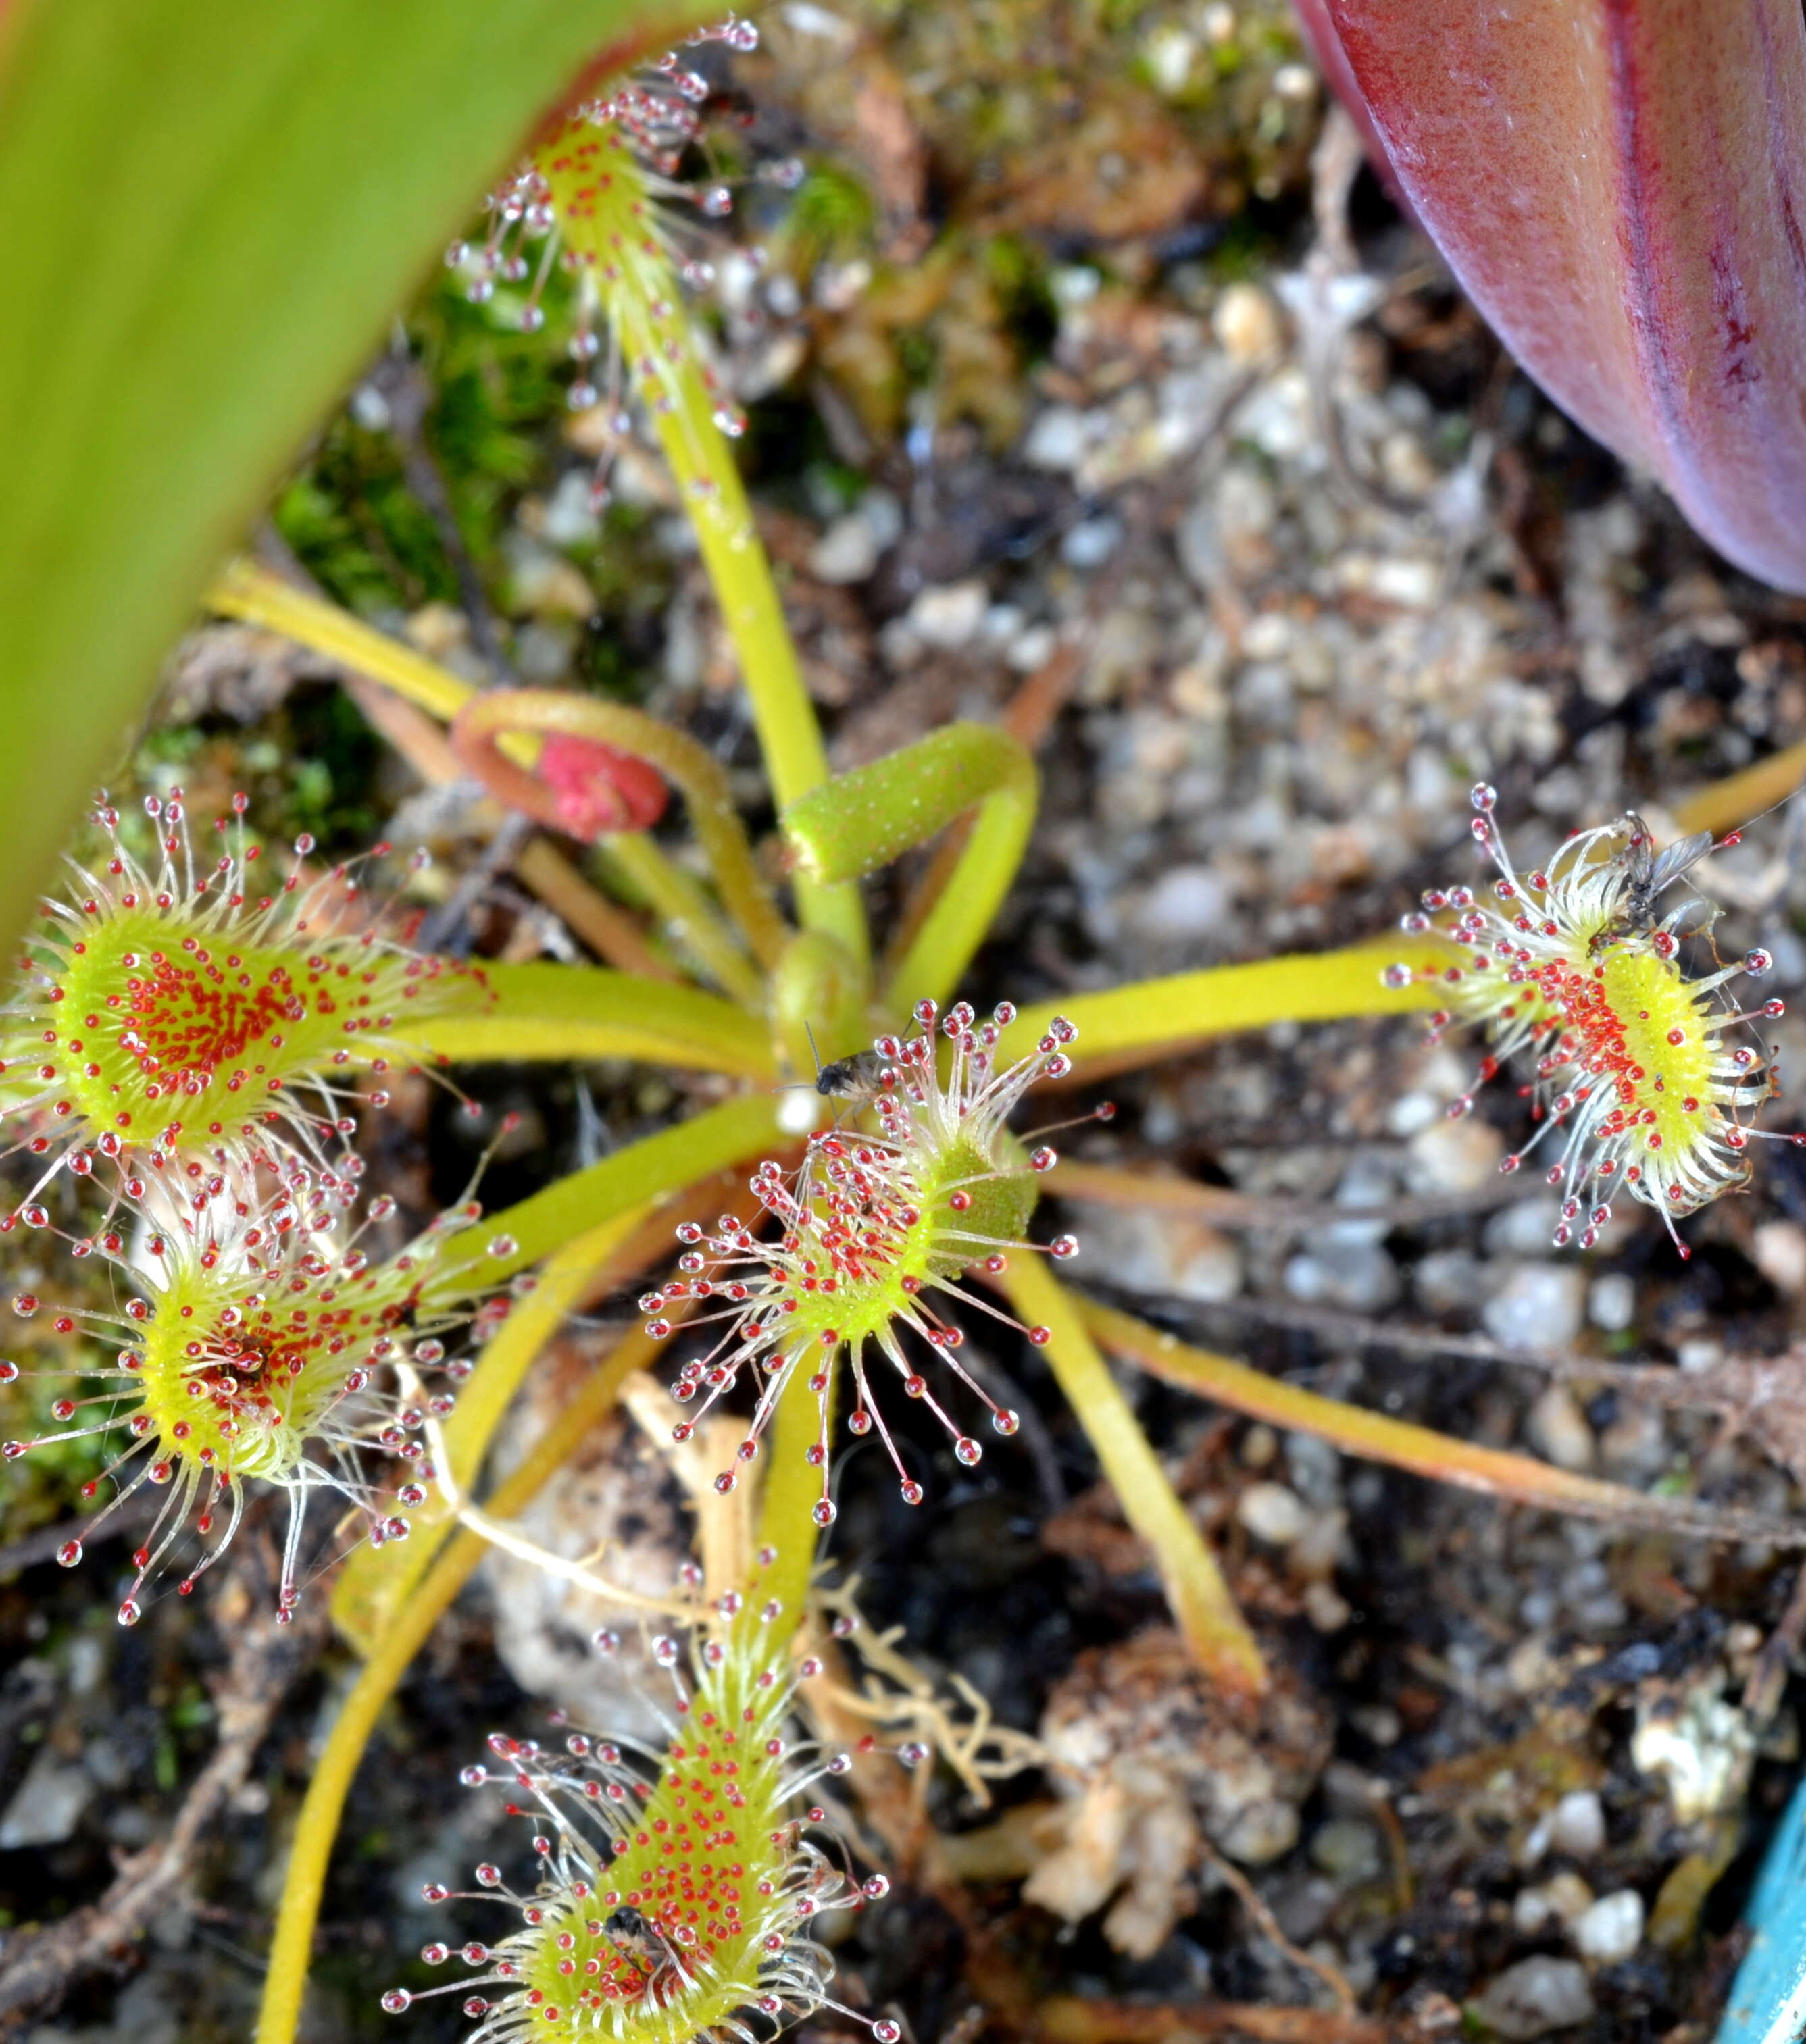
point(1455, 1156)
point(1247, 323)
point(1558, 1428)
point(1613, 1302)
point(1578, 1826)
point(1058, 439)
point(949, 616)
point(1563, 1900)
point(1611, 1929)
point(1539, 1305)
point(1272, 1512)
point(1186, 902)
point(846, 552)
point(1536, 1996)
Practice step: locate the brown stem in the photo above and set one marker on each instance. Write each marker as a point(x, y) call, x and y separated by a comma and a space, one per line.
point(1497, 1472)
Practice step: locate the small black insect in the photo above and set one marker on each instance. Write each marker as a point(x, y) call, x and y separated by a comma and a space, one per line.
point(1651, 874)
point(857, 1080)
point(647, 1947)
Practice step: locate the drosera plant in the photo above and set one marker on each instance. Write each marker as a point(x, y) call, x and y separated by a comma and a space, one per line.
point(259, 1347)
point(773, 982)
point(1645, 1076)
point(200, 1017)
point(590, 1223)
point(676, 1892)
point(776, 984)
point(870, 1231)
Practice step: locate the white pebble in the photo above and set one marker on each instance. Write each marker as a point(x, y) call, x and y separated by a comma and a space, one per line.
point(1779, 1247)
point(949, 616)
point(1090, 544)
point(1578, 1826)
point(1611, 1929)
point(1536, 1996)
point(1558, 1429)
point(1448, 1280)
point(1455, 1156)
point(1562, 1900)
point(1184, 904)
point(1359, 1277)
point(1613, 1302)
point(1058, 439)
point(846, 552)
point(1247, 324)
point(1539, 1305)
point(1273, 1513)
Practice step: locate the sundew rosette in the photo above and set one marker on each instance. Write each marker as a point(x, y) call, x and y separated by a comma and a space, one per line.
point(179, 1015)
point(675, 1894)
point(270, 1351)
point(1643, 1078)
point(872, 1234)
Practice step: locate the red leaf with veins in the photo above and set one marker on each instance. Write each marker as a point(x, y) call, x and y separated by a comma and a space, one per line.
point(1620, 186)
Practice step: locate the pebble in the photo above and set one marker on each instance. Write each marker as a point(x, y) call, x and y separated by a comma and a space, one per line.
point(846, 552)
point(570, 518)
point(1315, 1467)
point(1367, 1182)
point(1577, 1823)
point(1448, 1280)
point(1247, 323)
point(1157, 1252)
point(47, 1805)
point(1562, 1900)
point(1536, 1997)
point(1183, 904)
point(1090, 544)
point(544, 582)
point(1059, 439)
point(1702, 1745)
point(1578, 1826)
point(1325, 1606)
point(1273, 1512)
point(1455, 1156)
point(1359, 1277)
point(1611, 1929)
point(1032, 648)
point(949, 616)
point(1612, 1304)
point(1539, 1305)
point(1522, 1229)
point(1779, 1248)
point(1558, 1429)
point(1348, 1851)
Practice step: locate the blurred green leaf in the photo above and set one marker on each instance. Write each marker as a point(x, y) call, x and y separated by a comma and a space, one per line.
point(210, 206)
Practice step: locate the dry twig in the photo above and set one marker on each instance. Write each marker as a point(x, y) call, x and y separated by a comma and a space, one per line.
point(266, 1659)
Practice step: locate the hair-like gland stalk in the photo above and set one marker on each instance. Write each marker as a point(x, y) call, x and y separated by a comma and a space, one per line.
point(676, 1892)
point(870, 1228)
point(178, 1018)
point(260, 1351)
point(1573, 967)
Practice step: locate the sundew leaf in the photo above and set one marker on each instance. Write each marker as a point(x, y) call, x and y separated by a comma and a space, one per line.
point(211, 205)
point(1620, 186)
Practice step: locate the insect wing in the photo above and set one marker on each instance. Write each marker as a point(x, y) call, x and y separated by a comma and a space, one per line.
point(1674, 859)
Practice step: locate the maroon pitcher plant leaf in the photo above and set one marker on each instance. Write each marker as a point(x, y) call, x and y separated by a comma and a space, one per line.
point(1620, 186)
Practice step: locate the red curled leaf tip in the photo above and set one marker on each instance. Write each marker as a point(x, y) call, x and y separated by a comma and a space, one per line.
point(596, 789)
